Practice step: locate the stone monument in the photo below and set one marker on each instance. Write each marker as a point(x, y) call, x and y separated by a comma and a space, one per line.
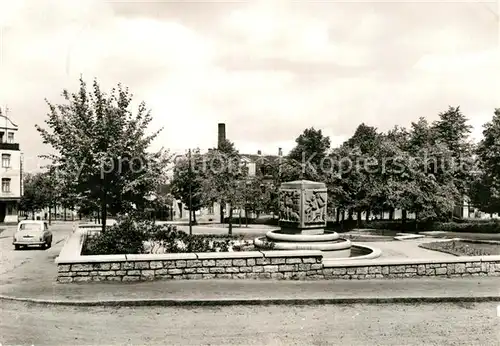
point(302, 221)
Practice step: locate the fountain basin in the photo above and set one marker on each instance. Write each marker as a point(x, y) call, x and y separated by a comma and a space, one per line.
point(338, 248)
point(358, 252)
point(276, 235)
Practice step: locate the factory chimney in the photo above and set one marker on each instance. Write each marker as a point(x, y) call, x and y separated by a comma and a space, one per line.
point(221, 135)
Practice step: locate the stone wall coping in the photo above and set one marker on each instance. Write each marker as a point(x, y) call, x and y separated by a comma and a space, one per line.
point(293, 253)
point(91, 259)
point(409, 261)
point(234, 254)
point(162, 257)
point(493, 258)
point(72, 248)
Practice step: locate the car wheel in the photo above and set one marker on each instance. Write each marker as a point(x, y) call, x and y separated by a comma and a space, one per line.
point(49, 244)
point(17, 247)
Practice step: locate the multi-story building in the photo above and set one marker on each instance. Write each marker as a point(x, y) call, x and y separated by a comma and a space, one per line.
point(10, 171)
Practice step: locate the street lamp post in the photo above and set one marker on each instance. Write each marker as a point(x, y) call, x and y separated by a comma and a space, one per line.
point(190, 195)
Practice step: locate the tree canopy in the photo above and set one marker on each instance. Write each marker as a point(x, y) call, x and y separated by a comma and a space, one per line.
point(102, 148)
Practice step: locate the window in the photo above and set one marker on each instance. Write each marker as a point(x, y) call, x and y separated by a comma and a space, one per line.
point(10, 137)
point(5, 184)
point(1, 136)
point(29, 226)
point(6, 160)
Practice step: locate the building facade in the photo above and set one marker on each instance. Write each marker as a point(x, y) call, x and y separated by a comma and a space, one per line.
point(10, 170)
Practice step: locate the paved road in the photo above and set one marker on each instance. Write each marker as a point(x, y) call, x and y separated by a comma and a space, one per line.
point(26, 264)
point(21, 323)
point(447, 324)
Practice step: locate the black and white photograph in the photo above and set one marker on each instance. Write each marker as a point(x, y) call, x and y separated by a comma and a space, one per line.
point(250, 172)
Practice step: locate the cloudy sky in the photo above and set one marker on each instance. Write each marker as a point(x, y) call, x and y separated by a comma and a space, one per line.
point(268, 69)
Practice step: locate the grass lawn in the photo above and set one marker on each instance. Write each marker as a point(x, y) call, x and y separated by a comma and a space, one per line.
point(464, 248)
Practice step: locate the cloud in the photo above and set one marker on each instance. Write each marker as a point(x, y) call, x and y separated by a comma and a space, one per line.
point(267, 69)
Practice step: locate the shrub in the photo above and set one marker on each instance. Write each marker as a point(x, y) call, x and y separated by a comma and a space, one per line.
point(129, 236)
point(489, 226)
point(472, 227)
point(263, 220)
point(125, 237)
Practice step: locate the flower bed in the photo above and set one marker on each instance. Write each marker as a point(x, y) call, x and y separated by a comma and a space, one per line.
point(145, 237)
point(465, 248)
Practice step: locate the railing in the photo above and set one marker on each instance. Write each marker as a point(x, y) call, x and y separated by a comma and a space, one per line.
point(9, 146)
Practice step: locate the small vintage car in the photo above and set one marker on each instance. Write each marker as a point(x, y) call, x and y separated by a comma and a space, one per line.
point(32, 233)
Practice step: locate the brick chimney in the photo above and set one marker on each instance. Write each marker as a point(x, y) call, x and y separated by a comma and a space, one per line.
point(221, 137)
point(280, 152)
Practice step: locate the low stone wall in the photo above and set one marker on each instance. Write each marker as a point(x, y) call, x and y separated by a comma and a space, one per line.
point(237, 265)
point(294, 265)
point(408, 268)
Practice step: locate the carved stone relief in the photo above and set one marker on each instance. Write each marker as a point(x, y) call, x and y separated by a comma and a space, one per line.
point(315, 206)
point(289, 205)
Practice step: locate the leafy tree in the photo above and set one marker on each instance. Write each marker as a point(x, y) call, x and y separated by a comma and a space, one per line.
point(51, 189)
point(421, 136)
point(101, 148)
point(430, 191)
point(482, 194)
point(188, 181)
point(386, 181)
point(310, 151)
point(254, 195)
point(452, 130)
point(488, 157)
point(223, 175)
point(365, 138)
point(362, 149)
point(33, 198)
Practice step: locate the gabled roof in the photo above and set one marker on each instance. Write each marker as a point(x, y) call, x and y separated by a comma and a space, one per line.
point(261, 159)
point(5, 122)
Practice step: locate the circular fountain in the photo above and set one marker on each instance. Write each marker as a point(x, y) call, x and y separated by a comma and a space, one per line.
point(302, 213)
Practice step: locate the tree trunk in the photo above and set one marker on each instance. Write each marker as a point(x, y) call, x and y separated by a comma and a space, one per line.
point(50, 215)
point(350, 215)
point(337, 215)
point(230, 232)
point(367, 215)
point(416, 221)
point(342, 220)
point(246, 217)
point(104, 209)
point(239, 216)
point(221, 212)
point(194, 217)
point(358, 219)
point(403, 216)
point(55, 212)
point(65, 214)
point(33, 214)
point(391, 214)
